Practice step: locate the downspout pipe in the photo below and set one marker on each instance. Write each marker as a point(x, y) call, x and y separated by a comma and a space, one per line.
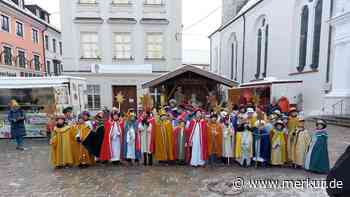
point(44, 48)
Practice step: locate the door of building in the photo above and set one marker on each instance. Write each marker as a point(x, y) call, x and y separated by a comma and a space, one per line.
point(130, 97)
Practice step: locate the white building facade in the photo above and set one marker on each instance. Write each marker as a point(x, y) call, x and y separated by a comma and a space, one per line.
point(52, 42)
point(292, 40)
point(339, 82)
point(119, 44)
point(53, 52)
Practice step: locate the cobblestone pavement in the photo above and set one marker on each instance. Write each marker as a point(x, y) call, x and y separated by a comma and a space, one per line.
point(28, 174)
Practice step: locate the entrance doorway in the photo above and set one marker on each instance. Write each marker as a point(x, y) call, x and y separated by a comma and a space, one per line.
point(130, 97)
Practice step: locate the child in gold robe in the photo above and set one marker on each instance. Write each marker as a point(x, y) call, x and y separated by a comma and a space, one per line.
point(61, 144)
point(215, 138)
point(301, 144)
point(164, 140)
point(278, 144)
point(81, 131)
point(292, 126)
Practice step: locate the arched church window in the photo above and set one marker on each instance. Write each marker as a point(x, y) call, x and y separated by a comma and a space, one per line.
point(266, 49)
point(317, 35)
point(303, 38)
point(262, 48)
point(257, 75)
point(233, 60)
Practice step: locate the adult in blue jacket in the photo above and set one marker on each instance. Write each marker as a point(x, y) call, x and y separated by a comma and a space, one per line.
point(16, 117)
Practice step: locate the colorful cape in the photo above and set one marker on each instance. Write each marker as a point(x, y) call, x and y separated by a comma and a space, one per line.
point(94, 140)
point(61, 147)
point(265, 145)
point(106, 152)
point(317, 159)
point(215, 140)
point(204, 139)
point(127, 126)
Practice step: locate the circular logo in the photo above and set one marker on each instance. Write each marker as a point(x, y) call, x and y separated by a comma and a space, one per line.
point(228, 187)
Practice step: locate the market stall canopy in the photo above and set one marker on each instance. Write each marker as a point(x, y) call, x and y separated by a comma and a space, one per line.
point(263, 92)
point(190, 69)
point(34, 82)
point(268, 82)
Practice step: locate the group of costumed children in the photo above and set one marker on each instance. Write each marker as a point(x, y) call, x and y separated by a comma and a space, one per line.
point(243, 135)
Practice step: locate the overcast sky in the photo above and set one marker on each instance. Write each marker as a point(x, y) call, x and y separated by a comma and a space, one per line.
point(195, 36)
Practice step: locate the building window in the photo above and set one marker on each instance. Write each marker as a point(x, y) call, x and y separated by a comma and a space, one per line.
point(234, 65)
point(94, 97)
point(87, 1)
point(54, 45)
point(257, 75)
point(216, 60)
point(21, 59)
point(5, 23)
point(317, 35)
point(47, 42)
point(7, 55)
point(56, 68)
point(153, 2)
point(61, 52)
point(303, 38)
point(122, 46)
point(36, 62)
point(19, 29)
point(266, 50)
point(154, 46)
point(262, 49)
point(48, 67)
point(89, 45)
point(21, 3)
point(234, 59)
point(35, 37)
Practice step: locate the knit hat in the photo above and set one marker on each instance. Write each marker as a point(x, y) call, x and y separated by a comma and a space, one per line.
point(321, 122)
point(279, 122)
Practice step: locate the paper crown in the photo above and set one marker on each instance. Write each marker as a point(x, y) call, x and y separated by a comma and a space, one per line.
point(162, 112)
point(279, 122)
point(292, 109)
point(60, 116)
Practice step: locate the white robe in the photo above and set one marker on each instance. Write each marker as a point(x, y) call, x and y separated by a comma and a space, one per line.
point(196, 158)
point(115, 142)
point(145, 137)
point(228, 143)
point(246, 147)
point(89, 124)
point(130, 154)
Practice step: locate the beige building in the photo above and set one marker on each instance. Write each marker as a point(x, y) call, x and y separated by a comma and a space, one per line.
point(119, 44)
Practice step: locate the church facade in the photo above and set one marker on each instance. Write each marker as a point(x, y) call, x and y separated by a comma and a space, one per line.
point(291, 40)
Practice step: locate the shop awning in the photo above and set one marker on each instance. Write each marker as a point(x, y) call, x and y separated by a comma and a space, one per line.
point(32, 82)
point(29, 86)
point(188, 68)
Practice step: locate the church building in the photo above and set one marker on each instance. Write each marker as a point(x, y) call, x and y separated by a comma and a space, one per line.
point(306, 40)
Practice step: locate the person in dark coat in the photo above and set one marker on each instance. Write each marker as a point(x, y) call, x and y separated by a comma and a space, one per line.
point(273, 106)
point(94, 140)
point(340, 172)
point(16, 117)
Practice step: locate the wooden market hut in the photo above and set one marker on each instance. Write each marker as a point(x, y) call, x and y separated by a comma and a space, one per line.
point(192, 80)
